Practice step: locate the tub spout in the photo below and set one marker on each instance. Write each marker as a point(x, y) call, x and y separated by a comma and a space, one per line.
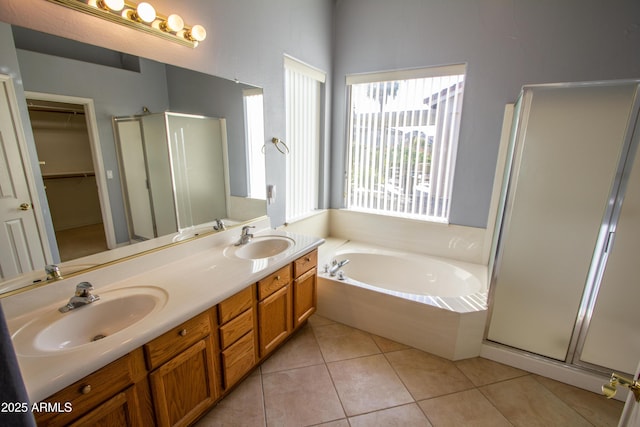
point(337, 265)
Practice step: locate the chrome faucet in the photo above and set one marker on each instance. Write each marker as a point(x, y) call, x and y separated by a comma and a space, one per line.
point(82, 297)
point(53, 272)
point(337, 265)
point(245, 236)
point(219, 225)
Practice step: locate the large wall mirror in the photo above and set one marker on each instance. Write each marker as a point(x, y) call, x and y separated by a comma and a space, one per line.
point(79, 96)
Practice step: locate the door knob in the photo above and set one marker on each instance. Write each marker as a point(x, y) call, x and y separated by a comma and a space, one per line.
point(25, 206)
point(609, 390)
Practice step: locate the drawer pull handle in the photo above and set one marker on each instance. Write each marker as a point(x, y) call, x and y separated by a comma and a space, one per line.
point(183, 333)
point(278, 277)
point(86, 389)
point(307, 259)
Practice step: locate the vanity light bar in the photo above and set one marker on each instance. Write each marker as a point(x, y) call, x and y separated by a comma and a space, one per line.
point(141, 16)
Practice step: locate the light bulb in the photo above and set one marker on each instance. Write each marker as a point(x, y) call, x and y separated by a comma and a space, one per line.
point(115, 5)
point(173, 23)
point(198, 33)
point(145, 12)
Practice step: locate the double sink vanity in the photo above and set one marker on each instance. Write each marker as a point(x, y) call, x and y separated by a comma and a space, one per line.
point(172, 331)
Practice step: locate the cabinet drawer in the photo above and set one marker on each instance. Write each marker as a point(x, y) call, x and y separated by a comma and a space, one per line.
point(238, 359)
point(273, 282)
point(236, 304)
point(90, 391)
point(176, 340)
point(305, 263)
point(234, 329)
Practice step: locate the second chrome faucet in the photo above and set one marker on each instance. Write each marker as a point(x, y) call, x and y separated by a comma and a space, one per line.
point(82, 297)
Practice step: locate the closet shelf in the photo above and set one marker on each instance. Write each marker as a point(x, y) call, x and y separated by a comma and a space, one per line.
point(63, 175)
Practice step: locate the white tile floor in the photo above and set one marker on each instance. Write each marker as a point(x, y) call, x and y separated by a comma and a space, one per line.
point(332, 375)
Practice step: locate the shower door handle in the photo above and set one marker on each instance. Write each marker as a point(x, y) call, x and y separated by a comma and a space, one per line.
point(609, 245)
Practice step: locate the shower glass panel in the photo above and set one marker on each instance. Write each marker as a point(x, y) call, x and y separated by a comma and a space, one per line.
point(197, 156)
point(567, 151)
point(174, 171)
point(135, 180)
point(613, 336)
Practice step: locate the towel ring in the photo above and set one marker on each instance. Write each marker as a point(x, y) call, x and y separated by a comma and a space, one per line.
point(278, 143)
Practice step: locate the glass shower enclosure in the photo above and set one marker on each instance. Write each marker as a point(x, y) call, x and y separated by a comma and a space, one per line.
point(564, 283)
point(174, 171)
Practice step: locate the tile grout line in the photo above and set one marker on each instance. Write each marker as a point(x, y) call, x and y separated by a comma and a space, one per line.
point(560, 399)
point(264, 403)
point(333, 384)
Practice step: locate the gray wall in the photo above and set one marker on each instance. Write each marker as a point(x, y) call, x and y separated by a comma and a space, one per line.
point(506, 45)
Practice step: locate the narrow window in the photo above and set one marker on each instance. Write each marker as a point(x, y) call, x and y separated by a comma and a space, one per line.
point(303, 91)
point(402, 141)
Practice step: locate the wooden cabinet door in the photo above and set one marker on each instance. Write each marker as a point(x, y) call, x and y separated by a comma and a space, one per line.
point(185, 386)
point(304, 297)
point(122, 410)
point(274, 319)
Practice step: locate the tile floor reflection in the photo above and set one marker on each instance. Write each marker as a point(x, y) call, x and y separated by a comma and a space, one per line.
point(329, 374)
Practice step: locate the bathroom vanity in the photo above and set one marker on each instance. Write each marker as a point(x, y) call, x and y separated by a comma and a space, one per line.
point(214, 313)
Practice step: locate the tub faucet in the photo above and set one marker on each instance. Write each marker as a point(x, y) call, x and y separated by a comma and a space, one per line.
point(82, 297)
point(337, 265)
point(245, 236)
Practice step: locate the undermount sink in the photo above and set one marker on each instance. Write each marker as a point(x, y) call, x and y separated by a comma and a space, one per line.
point(115, 311)
point(261, 247)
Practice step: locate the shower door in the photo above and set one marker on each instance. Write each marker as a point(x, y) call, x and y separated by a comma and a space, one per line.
point(568, 148)
point(611, 336)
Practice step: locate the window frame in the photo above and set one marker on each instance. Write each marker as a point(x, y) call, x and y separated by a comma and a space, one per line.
point(447, 138)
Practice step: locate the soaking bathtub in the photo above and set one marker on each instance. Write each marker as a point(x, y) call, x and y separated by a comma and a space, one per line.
point(432, 304)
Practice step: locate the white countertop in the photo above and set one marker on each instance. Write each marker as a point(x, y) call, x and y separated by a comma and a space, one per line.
point(195, 275)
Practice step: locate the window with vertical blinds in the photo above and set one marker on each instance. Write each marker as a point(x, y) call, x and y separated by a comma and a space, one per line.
point(303, 89)
point(402, 141)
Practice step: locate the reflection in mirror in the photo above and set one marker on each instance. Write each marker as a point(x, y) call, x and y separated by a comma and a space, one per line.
point(254, 117)
point(173, 172)
point(64, 152)
point(119, 85)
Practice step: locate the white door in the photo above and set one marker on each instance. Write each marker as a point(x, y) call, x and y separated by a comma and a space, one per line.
point(21, 248)
point(613, 337)
point(631, 413)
